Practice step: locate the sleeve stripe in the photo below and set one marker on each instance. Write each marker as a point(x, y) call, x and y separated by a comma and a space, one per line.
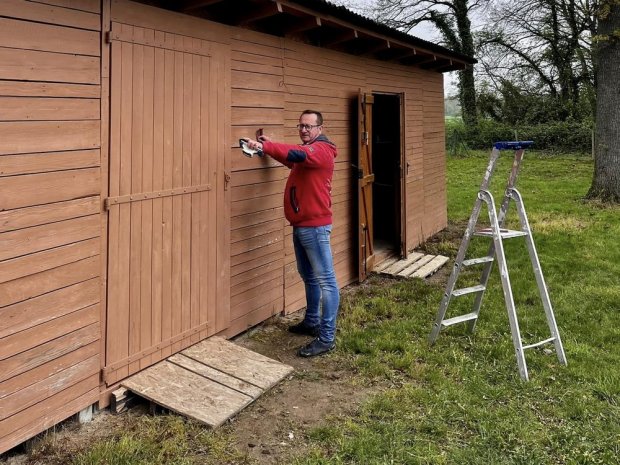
point(296, 156)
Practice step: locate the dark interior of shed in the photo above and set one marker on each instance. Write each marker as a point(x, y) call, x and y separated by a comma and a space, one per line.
point(386, 155)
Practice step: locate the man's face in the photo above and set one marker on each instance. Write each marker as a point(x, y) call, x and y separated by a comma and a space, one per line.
point(308, 128)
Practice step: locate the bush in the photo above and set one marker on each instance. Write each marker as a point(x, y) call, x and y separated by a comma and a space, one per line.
point(555, 136)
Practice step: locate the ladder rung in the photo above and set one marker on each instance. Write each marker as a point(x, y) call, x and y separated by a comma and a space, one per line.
point(504, 233)
point(546, 341)
point(476, 261)
point(459, 319)
point(468, 290)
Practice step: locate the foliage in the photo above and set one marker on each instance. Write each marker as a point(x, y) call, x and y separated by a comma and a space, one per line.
point(513, 105)
point(569, 136)
point(452, 18)
point(541, 47)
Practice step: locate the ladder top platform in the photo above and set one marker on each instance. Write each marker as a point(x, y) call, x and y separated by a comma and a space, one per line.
point(516, 145)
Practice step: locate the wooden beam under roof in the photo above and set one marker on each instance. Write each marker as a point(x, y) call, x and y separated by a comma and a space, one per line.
point(334, 21)
point(265, 11)
point(192, 5)
point(379, 47)
point(303, 25)
point(344, 36)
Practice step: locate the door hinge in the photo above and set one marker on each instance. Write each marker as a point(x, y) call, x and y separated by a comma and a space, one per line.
point(365, 138)
point(226, 180)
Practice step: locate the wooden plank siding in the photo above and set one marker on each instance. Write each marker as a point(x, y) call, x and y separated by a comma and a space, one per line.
point(168, 254)
point(50, 213)
point(90, 295)
point(257, 184)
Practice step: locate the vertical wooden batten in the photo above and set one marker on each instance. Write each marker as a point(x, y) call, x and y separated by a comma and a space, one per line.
point(105, 170)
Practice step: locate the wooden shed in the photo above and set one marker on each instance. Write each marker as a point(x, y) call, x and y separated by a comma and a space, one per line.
point(131, 226)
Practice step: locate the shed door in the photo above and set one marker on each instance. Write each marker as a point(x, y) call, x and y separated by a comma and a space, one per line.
point(364, 190)
point(169, 220)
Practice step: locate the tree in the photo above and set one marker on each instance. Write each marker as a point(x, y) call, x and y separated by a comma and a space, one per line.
point(542, 48)
point(606, 181)
point(452, 19)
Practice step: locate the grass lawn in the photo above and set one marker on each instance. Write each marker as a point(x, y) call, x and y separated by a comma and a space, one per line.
point(462, 400)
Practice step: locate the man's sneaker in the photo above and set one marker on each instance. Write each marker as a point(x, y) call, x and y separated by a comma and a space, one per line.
point(303, 328)
point(316, 347)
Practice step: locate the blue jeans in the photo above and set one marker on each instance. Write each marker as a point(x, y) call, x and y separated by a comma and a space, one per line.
point(316, 267)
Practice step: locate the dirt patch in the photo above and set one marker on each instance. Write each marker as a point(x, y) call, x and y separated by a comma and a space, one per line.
point(272, 430)
point(275, 428)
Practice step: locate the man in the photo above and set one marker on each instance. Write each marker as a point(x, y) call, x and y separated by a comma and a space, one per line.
point(307, 206)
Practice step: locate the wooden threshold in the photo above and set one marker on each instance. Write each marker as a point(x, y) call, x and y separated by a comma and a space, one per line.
point(210, 381)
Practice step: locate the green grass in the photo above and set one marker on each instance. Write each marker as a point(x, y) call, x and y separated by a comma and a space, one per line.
point(462, 400)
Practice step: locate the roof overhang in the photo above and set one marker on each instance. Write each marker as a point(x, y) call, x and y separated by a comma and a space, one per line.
point(323, 24)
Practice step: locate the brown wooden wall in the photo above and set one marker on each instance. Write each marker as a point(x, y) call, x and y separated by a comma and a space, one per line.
point(273, 81)
point(50, 222)
point(55, 121)
point(257, 215)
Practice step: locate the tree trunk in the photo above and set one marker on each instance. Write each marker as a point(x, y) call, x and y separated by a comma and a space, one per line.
point(467, 96)
point(606, 182)
point(467, 88)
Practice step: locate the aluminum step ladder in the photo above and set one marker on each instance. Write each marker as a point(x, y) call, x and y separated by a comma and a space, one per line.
point(498, 233)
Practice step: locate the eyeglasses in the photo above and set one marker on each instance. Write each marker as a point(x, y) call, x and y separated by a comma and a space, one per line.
point(307, 127)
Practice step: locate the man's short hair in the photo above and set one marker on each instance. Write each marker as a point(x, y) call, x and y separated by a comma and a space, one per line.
point(319, 116)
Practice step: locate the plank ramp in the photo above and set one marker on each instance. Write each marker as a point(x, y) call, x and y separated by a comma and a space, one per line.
point(210, 382)
point(416, 265)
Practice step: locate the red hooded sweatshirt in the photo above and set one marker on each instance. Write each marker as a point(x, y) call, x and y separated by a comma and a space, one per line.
point(307, 196)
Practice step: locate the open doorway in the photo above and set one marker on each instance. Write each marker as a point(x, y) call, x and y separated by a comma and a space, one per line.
point(386, 166)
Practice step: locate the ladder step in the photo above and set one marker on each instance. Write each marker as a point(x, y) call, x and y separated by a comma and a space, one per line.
point(476, 261)
point(504, 233)
point(459, 319)
point(546, 341)
point(468, 290)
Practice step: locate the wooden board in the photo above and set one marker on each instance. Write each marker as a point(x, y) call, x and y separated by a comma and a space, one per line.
point(416, 265)
point(210, 381)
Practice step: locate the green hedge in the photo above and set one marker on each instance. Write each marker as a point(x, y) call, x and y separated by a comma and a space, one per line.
point(553, 136)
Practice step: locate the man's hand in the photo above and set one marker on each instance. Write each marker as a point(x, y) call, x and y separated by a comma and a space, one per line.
point(254, 144)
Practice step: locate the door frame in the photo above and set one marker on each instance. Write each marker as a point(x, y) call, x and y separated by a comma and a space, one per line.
point(365, 176)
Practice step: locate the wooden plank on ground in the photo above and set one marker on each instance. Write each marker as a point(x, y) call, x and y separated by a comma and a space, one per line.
point(430, 267)
point(210, 381)
point(216, 375)
point(240, 362)
point(400, 265)
point(416, 266)
point(187, 393)
point(385, 264)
